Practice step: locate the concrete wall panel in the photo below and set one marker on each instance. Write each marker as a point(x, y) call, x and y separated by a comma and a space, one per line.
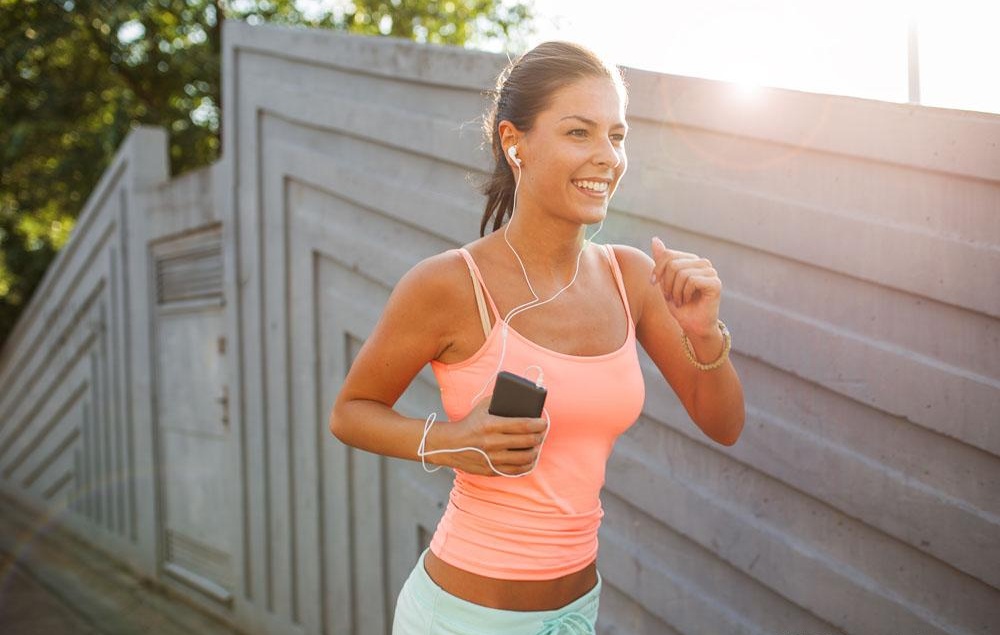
point(858, 246)
point(839, 259)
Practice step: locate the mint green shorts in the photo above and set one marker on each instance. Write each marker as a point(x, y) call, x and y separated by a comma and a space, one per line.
point(424, 608)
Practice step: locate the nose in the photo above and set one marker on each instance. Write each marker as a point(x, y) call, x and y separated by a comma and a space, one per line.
point(609, 154)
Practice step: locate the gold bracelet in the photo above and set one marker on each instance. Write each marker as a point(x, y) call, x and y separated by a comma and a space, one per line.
point(727, 343)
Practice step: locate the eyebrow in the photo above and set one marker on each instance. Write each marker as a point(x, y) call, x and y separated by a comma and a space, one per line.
point(592, 122)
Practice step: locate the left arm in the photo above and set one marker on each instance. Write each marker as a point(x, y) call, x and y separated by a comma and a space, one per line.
point(713, 398)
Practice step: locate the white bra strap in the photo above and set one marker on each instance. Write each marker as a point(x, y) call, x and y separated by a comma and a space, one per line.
point(483, 311)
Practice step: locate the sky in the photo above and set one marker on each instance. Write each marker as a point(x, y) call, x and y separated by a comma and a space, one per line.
point(847, 47)
point(842, 47)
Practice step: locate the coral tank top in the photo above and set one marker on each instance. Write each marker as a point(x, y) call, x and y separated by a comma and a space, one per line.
point(543, 525)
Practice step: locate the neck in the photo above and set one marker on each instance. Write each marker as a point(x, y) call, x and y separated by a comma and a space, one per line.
point(549, 248)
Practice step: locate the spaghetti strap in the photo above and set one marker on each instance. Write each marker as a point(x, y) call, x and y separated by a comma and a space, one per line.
point(593, 400)
point(480, 287)
point(617, 272)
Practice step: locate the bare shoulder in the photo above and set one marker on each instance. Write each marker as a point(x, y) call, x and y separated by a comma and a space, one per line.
point(440, 270)
point(437, 282)
point(444, 284)
point(633, 258)
point(414, 328)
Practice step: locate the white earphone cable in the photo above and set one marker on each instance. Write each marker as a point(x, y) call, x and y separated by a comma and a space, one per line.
point(421, 452)
point(531, 303)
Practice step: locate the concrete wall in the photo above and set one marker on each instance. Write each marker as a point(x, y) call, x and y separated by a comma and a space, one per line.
point(857, 242)
point(100, 420)
point(75, 394)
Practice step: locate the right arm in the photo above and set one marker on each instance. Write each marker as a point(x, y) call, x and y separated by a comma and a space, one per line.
point(414, 328)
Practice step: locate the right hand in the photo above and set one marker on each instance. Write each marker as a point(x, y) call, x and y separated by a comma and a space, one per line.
point(512, 443)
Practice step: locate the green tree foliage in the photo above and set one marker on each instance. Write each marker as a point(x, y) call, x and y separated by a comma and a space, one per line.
point(77, 75)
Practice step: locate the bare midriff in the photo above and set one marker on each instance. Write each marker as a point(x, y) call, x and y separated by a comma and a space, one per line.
point(510, 595)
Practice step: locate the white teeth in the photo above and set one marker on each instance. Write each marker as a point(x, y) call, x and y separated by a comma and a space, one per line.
point(596, 186)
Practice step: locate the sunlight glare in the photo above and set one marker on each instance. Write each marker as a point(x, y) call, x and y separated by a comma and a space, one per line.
point(852, 47)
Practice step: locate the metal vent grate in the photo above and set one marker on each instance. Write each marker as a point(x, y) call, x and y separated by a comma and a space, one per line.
point(190, 274)
point(199, 558)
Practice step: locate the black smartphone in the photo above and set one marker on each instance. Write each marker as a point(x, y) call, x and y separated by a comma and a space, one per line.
point(516, 396)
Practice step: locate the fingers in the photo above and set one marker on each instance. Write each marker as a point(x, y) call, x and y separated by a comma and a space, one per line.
point(659, 250)
point(665, 259)
point(534, 426)
point(509, 462)
point(700, 283)
point(681, 274)
point(501, 442)
point(514, 425)
point(682, 277)
point(690, 279)
point(517, 453)
point(512, 444)
point(510, 441)
point(522, 441)
point(517, 458)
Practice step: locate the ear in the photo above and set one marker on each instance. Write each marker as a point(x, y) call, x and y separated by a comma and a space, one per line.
point(509, 136)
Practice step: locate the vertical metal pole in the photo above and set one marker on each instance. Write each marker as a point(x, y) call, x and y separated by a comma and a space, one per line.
point(913, 47)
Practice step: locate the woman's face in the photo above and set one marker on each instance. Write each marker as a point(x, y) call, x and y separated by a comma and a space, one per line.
point(574, 155)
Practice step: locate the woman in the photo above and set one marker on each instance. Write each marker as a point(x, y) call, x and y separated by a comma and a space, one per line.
point(515, 551)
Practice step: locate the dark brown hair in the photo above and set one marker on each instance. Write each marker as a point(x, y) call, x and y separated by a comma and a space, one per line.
point(524, 89)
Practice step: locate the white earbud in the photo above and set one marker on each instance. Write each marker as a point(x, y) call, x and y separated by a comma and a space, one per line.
point(513, 155)
point(421, 451)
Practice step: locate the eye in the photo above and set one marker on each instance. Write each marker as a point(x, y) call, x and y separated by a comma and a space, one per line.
point(573, 132)
point(618, 137)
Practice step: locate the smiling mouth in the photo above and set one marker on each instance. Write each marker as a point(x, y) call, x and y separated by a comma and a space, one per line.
point(596, 189)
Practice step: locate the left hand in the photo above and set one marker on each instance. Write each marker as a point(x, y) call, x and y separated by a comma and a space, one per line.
point(691, 287)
